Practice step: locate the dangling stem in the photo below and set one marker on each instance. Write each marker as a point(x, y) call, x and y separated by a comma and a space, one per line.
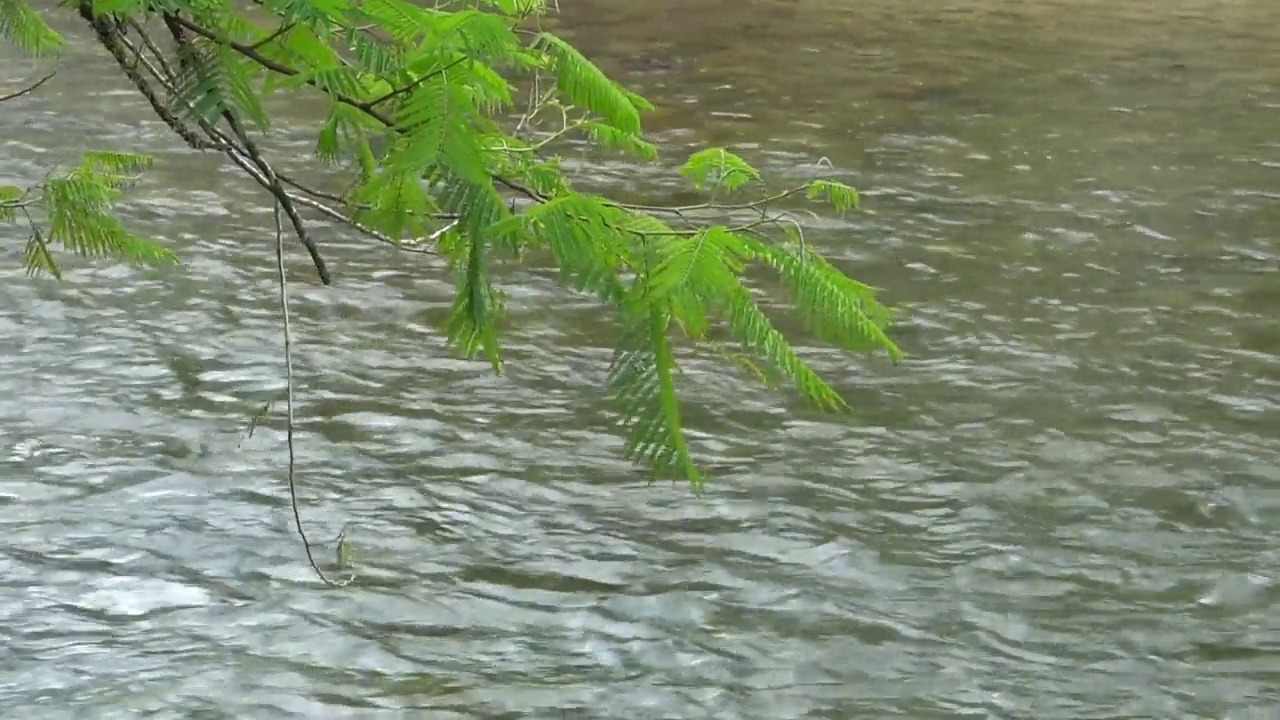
point(288, 364)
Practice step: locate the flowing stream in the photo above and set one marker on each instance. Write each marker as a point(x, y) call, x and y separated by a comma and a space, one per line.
point(1064, 505)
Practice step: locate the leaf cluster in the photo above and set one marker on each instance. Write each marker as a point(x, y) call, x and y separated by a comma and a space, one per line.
point(446, 119)
point(74, 209)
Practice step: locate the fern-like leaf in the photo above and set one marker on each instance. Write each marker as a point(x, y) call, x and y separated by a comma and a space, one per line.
point(717, 168)
point(587, 86)
point(836, 308)
point(841, 197)
point(10, 201)
point(384, 61)
point(609, 136)
point(118, 170)
point(581, 235)
point(754, 329)
point(641, 379)
point(472, 324)
point(37, 257)
point(316, 15)
point(404, 21)
point(214, 80)
point(518, 8)
point(26, 29)
point(79, 208)
point(481, 35)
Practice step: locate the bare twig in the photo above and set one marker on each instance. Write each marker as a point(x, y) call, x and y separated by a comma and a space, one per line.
point(29, 89)
point(111, 36)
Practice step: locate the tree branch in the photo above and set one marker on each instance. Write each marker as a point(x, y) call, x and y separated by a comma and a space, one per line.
point(250, 52)
point(109, 36)
point(365, 107)
point(249, 157)
point(283, 201)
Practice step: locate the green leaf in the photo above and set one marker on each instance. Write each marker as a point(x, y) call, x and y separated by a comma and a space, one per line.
point(403, 20)
point(37, 258)
point(842, 197)
point(327, 145)
point(79, 208)
point(472, 324)
point(587, 86)
point(313, 14)
point(609, 136)
point(754, 329)
point(580, 232)
point(10, 198)
point(214, 80)
point(641, 380)
point(836, 308)
point(113, 7)
point(518, 8)
point(25, 28)
point(716, 168)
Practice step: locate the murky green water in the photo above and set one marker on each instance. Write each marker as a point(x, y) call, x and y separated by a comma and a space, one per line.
point(1065, 506)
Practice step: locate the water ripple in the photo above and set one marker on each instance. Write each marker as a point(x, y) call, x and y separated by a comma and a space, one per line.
point(1063, 505)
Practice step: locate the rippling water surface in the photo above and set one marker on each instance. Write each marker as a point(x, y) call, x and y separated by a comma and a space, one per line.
point(1065, 505)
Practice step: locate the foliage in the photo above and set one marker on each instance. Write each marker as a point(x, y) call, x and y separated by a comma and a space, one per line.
point(445, 119)
point(77, 205)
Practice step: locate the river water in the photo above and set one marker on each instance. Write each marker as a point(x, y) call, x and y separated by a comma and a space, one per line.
point(1064, 505)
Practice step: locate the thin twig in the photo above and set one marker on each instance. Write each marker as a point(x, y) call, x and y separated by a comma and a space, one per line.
point(289, 422)
point(279, 31)
point(169, 76)
point(111, 35)
point(718, 207)
point(30, 88)
point(418, 82)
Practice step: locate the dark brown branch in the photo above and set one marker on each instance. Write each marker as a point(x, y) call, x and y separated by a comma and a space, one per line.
point(171, 21)
point(109, 35)
point(282, 197)
point(169, 77)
